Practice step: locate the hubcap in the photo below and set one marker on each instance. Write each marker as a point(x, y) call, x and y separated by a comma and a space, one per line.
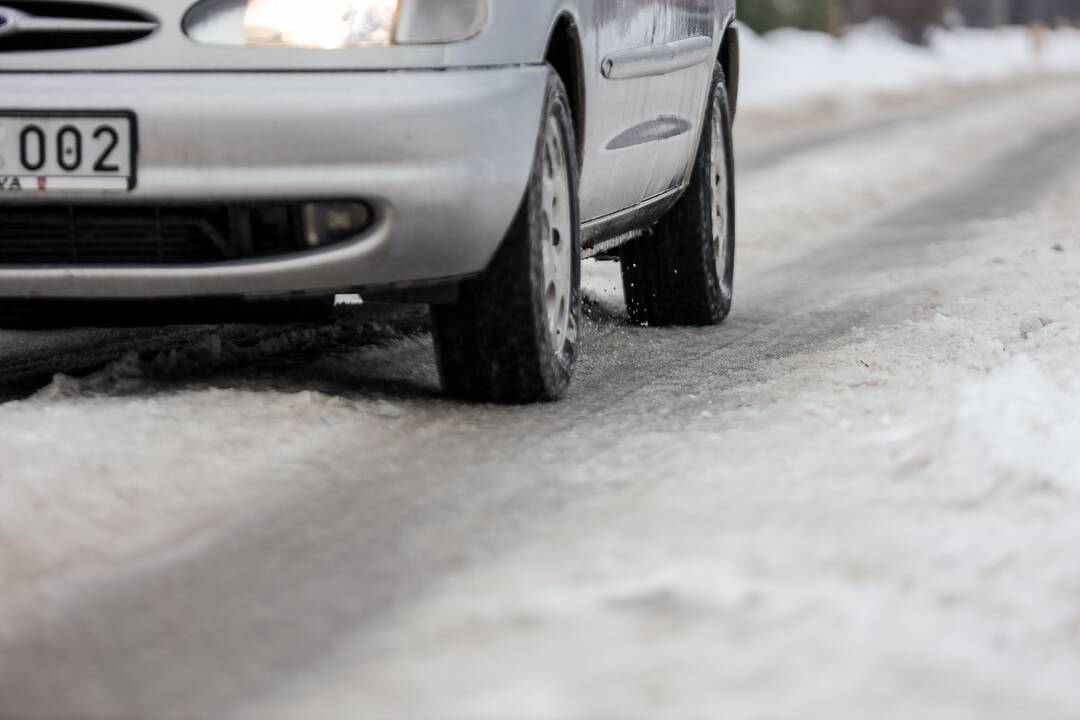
point(556, 238)
point(720, 195)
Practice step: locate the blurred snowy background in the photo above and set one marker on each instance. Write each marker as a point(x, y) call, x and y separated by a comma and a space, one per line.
point(798, 51)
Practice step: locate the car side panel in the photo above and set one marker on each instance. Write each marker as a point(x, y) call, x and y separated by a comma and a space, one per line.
point(613, 174)
point(676, 100)
point(660, 69)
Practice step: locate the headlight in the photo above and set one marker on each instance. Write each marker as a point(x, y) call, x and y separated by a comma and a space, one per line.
point(332, 24)
point(319, 23)
point(440, 21)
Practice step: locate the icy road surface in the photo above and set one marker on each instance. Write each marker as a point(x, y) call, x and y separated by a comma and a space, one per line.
point(859, 498)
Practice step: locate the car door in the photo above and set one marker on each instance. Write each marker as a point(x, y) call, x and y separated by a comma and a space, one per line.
point(676, 94)
point(619, 157)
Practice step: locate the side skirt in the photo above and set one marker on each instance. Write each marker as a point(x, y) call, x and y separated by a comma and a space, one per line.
point(609, 232)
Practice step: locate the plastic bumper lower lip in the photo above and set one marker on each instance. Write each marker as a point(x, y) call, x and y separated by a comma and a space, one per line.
point(442, 157)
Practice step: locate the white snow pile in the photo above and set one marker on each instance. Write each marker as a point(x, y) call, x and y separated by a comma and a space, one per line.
point(786, 67)
point(1016, 429)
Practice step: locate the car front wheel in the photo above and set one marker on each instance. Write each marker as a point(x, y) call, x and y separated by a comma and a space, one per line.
point(512, 334)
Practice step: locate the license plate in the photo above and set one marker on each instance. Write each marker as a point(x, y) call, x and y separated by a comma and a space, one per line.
point(43, 152)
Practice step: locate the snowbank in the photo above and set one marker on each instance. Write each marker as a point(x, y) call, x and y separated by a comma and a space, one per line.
point(787, 67)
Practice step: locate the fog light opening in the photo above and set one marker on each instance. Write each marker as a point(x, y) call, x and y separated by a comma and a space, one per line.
point(326, 223)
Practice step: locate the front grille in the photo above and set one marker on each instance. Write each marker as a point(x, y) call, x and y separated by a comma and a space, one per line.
point(146, 234)
point(37, 25)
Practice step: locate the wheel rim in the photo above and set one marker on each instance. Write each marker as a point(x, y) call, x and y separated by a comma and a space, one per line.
point(720, 194)
point(557, 239)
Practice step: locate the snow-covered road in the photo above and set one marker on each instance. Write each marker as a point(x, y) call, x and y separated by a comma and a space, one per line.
point(860, 497)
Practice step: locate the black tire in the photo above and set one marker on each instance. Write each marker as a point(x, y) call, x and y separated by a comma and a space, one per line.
point(671, 276)
point(496, 343)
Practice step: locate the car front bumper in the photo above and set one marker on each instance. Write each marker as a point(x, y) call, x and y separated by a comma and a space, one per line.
point(443, 158)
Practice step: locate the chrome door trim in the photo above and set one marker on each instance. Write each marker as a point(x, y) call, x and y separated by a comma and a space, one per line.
point(658, 59)
point(660, 128)
point(17, 23)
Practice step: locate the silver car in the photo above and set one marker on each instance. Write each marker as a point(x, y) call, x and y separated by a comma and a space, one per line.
point(463, 153)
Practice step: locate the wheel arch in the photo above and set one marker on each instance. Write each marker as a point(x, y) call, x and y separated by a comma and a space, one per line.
point(730, 60)
point(564, 53)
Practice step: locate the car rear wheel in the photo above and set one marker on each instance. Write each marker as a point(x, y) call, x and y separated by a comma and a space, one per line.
point(512, 334)
point(682, 273)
